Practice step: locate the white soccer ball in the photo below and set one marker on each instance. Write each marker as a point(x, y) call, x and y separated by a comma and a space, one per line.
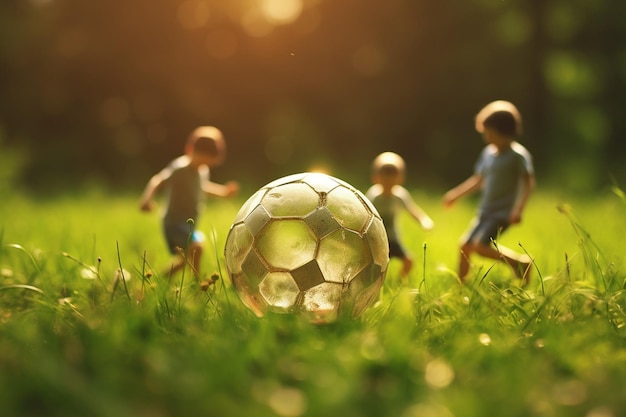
point(310, 244)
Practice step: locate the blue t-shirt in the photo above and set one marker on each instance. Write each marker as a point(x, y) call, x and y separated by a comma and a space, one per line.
point(389, 206)
point(183, 183)
point(502, 174)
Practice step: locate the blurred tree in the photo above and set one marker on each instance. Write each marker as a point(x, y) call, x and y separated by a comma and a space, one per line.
point(111, 88)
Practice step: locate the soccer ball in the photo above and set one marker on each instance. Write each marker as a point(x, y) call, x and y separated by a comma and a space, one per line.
point(309, 244)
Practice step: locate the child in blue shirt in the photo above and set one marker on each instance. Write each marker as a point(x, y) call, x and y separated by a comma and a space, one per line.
point(186, 180)
point(504, 172)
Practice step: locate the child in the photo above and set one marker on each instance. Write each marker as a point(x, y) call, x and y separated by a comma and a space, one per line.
point(505, 174)
point(390, 198)
point(186, 180)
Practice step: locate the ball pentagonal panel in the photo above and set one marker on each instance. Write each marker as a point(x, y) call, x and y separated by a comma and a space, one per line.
point(254, 269)
point(322, 222)
point(308, 275)
point(257, 219)
point(249, 205)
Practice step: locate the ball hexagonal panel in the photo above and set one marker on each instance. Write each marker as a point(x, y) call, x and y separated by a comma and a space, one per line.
point(240, 242)
point(349, 210)
point(293, 199)
point(286, 244)
point(342, 255)
point(279, 290)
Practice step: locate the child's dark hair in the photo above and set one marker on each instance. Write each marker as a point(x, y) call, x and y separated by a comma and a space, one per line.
point(502, 121)
point(388, 164)
point(207, 140)
point(205, 146)
point(388, 170)
point(502, 116)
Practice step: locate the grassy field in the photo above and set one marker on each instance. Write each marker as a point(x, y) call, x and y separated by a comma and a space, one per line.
point(76, 340)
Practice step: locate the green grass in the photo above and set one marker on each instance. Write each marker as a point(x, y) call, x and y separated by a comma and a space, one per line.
point(77, 341)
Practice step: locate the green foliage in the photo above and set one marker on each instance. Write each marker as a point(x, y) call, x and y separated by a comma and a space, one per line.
point(11, 164)
point(88, 327)
point(111, 88)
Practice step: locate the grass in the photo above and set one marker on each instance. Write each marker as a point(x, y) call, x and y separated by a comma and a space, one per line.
point(76, 339)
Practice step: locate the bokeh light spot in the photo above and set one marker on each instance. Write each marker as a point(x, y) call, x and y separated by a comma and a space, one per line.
point(282, 11)
point(438, 373)
point(288, 402)
point(571, 75)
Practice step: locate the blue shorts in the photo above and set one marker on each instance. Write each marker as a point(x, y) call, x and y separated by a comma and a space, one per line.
point(396, 250)
point(484, 229)
point(180, 235)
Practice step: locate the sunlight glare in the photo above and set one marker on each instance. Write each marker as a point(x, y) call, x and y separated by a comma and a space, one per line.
point(320, 168)
point(282, 11)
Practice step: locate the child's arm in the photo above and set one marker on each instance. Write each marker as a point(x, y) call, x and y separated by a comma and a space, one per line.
point(148, 193)
point(528, 184)
point(420, 215)
point(414, 210)
point(468, 186)
point(220, 190)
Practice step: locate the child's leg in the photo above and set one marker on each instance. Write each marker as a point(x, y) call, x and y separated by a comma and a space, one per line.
point(193, 257)
point(176, 235)
point(464, 257)
point(396, 250)
point(195, 254)
point(479, 240)
point(177, 265)
point(519, 262)
point(407, 265)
